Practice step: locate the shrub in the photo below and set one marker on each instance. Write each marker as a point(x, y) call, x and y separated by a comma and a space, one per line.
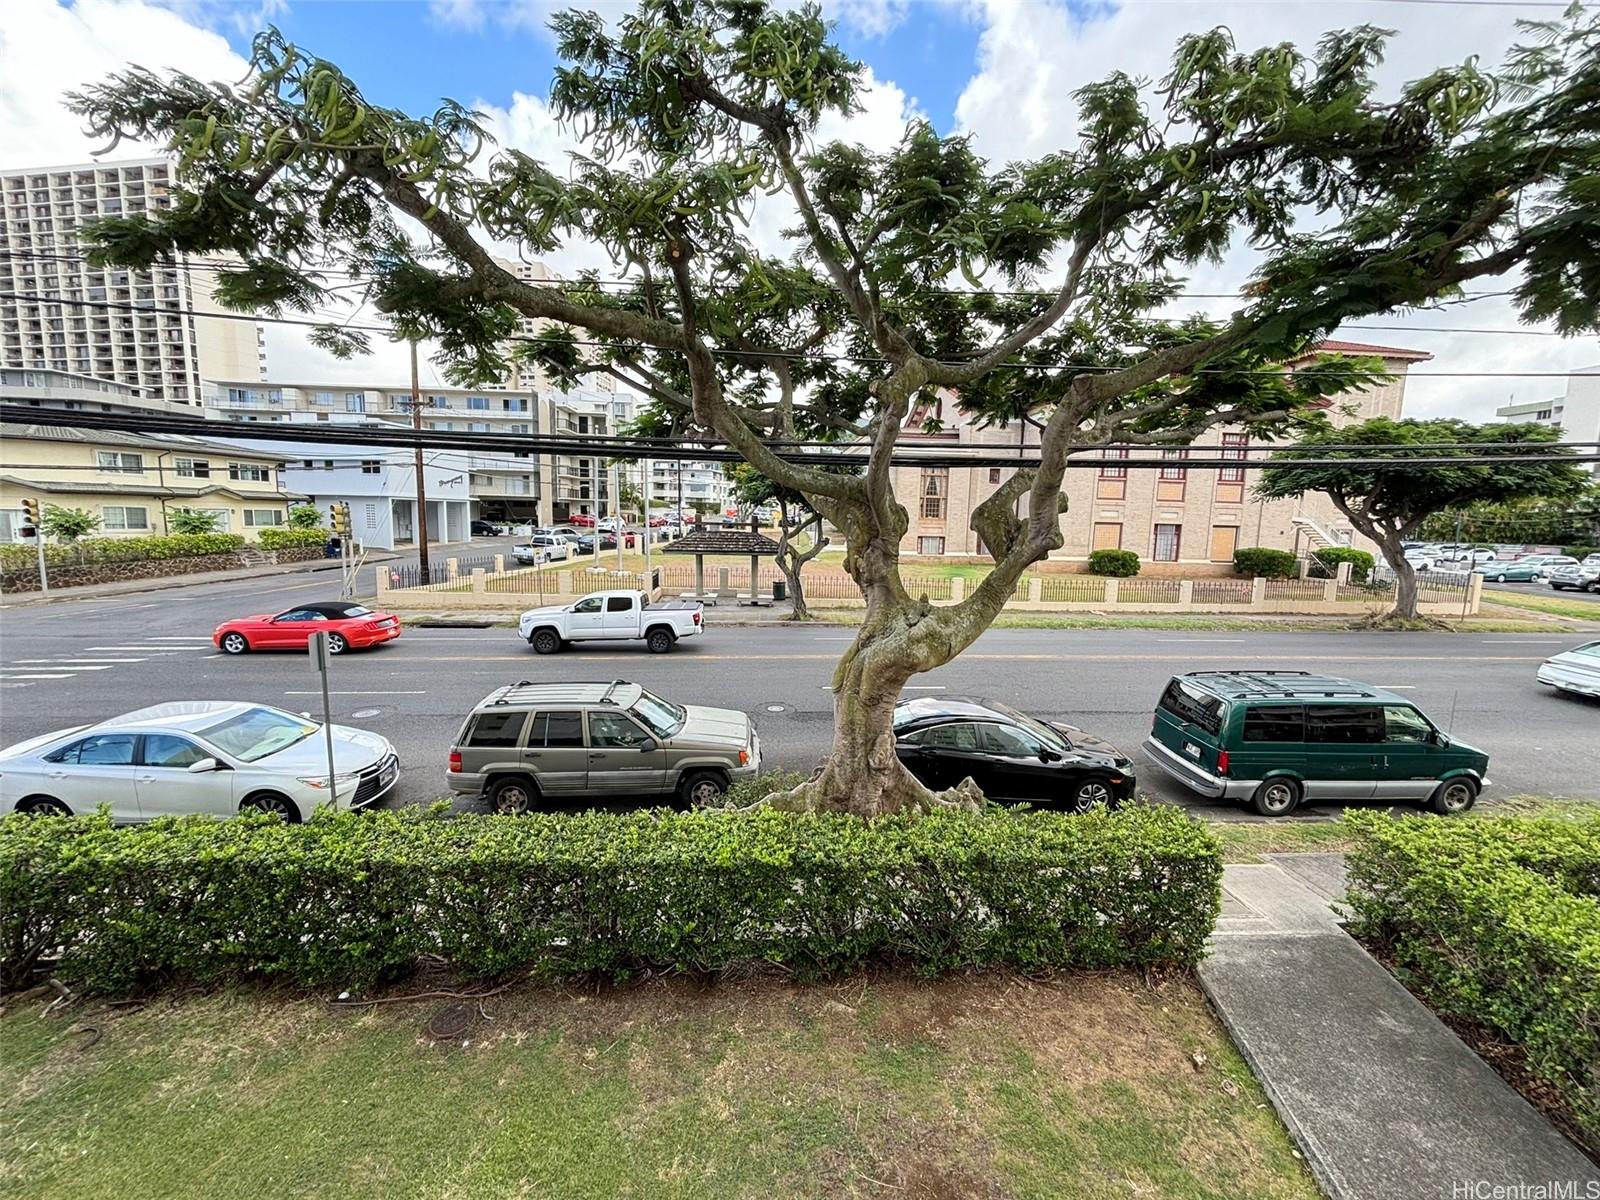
point(1260, 562)
point(122, 549)
point(352, 898)
point(68, 524)
point(305, 516)
point(1496, 921)
point(1578, 551)
point(1360, 561)
point(191, 520)
point(1118, 563)
point(282, 537)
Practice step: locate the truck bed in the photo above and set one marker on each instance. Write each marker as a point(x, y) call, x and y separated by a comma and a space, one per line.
point(672, 606)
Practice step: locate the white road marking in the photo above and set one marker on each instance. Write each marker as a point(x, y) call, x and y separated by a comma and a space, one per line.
point(11, 677)
point(173, 638)
point(1535, 641)
point(923, 687)
point(69, 665)
point(337, 693)
point(36, 661)
point(151, 649)
point(1397, 687)
point(1187, 640)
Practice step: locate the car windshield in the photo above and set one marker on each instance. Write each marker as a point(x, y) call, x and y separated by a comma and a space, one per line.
point(258, 732)
point(664, 719)
point(1034, 726)
point(1592, 650)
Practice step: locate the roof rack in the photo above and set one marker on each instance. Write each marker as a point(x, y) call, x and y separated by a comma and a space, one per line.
point(1248, 672)
point(613, 686)
point(1304, 692)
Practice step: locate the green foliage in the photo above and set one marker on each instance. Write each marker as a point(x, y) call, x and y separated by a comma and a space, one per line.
point(283, 537)
point(1495, 921)
point(1261, 562)
point(122, 549)
point(305, 516)
point(190, 520)
point(745, 792)
point(1580, 552)
point(1527, 522)
point(1361, 562)
point(353, 898)
point(1119, 564)
point(67, 524)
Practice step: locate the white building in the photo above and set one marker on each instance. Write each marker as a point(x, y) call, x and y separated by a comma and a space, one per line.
point(689, 487)
point(145, 329)
point(1576, 414)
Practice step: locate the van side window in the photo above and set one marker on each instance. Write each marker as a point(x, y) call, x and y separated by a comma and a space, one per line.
point(563, 728)
point(1402, 723)
point(1343, 724)
point(1192, 705)
point(497, 729)
point(1280, 723)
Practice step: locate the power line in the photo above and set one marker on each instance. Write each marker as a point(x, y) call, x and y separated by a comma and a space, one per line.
point(725, 352)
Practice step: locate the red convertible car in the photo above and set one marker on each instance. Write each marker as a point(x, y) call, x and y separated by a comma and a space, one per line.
point(348, 626)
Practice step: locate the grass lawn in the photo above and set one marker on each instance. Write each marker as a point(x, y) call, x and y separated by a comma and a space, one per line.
point(1198, 623)
point(1554, 604)
point(978, 1088)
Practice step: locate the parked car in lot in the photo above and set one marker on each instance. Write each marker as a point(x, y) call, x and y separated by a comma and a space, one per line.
point(1530, 568)
point(1275, 738)
point(1012, 757)
point(212, 757)
point(541, 547)
point(349, 626)
point(608, 541)
point(581, 520)
point(530, 742)
point(1576, 670)
point(1580, 577)
point(485, 529)
point(614, 616)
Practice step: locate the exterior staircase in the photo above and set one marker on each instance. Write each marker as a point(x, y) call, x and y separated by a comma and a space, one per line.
point(1319, 537)
point(255, 558)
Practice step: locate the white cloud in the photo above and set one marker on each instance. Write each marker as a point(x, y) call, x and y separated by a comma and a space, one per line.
point(871, 18)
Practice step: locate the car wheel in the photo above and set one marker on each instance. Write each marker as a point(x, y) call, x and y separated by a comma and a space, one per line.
point(659, 641)
point(1091, 792)
point(337, 644)
point(1454, 796)
point(1276, 798)
point(234, 643)
point(544, 641)
point(513, 797)
point(1536, 578)
point(43, 806)
point(1500, 578)
point(272, 802)
point(701, 788)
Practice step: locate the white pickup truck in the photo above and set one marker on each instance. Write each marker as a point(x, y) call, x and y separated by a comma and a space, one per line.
point(614, 616)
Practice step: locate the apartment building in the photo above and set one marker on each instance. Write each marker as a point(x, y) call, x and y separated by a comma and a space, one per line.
point(1576, 413)
point(1169, 515)
point(65, 391)
point(513, 485)
point(134, 482)
point(689, 487)
point(146, 329)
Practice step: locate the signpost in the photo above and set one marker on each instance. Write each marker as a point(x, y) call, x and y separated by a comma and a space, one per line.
point(317, 646)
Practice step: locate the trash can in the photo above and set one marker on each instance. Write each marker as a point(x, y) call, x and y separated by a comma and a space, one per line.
point(780, 589)
point(331, 550)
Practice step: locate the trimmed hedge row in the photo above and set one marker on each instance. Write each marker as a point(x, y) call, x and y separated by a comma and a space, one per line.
point(352, 899)
point(1119, 564)
point(282, 537)
point(1261, 562)
point(121, 549)
point(1361, 562)
point(1496, 921)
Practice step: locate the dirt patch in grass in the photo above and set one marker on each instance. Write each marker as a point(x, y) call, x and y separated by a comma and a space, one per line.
point(979, 1087)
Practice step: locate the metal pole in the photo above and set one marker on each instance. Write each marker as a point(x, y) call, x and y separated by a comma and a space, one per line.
point(318, 644)
point(38, 542)
point(644, 501)
point(599, 506)
point(422, 485)
point(616, 508)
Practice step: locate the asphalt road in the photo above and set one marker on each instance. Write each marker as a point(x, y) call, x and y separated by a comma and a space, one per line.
point(70, 662)
point(1543, 589)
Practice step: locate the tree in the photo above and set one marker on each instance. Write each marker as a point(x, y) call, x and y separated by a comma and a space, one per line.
point(189, 520)
point(67, 524)
point(693, 112)
point(1541, 520)
point(1388, 503)
point(795, 518)
point(305, 516)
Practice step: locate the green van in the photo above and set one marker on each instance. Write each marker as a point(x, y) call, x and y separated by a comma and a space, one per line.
point(1278, 737)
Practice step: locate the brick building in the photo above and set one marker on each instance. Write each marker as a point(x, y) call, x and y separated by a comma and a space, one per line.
point(1191, 519)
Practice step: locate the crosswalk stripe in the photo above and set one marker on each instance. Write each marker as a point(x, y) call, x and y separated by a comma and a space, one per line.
point(37, 661)
point(9, 679)
point(63, 667)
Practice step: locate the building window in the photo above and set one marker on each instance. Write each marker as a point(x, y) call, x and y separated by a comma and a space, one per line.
point(1113, 481)
point(263, 518)
point(1174, 472)
point(1233, 446)
point(10, 521)
point(193, 468)
point(323, 398)
point(250, 472)
point(120, 464)
point(355, 402)
point(1107, 535)
point(1168, 541)
point(477, 402)
point(930, 545)
point(121, 516)
point(935, 487)
point(222, 516)
point(371, 466)
point(1224, 541)
point(1171, 481)
point(994, 474)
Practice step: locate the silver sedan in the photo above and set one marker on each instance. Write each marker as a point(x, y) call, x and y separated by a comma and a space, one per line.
point(187, 757)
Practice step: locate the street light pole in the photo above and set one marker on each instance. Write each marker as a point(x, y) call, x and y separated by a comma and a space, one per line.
point(422, 485)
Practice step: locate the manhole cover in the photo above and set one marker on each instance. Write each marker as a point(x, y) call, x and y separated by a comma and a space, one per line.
point(366, 712)
point(777, 708)
point(450, 1021)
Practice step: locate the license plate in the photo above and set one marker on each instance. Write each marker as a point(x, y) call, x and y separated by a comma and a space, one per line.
point(1191, 750)
point(387, 775)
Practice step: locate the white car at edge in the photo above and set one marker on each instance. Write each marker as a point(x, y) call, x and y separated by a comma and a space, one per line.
point(188, 757)
point(1576, 670)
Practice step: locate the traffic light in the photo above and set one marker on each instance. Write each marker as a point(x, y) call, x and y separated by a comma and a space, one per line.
point(340, 515)
point(30, 517)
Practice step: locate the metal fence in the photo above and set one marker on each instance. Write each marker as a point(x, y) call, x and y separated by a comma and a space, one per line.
point(1148, 591)
point(1072, 589)
point(1223, 591)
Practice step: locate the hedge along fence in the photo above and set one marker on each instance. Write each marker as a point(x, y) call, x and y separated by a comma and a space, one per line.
point(90, 551)
point(354, 899)
point(283, 537)
point(1496, 921)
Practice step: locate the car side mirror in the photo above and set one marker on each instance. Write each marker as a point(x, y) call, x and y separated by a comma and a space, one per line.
point(1439, 739)
point(1047, 755)
point(201, 766)
point(647, 745)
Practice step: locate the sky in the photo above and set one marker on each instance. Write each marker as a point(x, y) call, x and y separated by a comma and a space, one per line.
point(1000, 71)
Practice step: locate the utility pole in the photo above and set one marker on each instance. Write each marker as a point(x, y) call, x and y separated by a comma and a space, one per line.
point(422, 484)
point(616, 511)
point(645, 531)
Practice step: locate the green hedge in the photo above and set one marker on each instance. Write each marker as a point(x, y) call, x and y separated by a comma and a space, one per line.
point(1496, 921)
point(350, 899)
point(282, 537)
point(88, 551)
point(1119, 564)
point(1361, 563)
point(1259, 562)
point(1579, 552)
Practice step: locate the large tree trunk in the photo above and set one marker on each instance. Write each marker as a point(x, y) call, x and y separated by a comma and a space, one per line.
point(1405, 575)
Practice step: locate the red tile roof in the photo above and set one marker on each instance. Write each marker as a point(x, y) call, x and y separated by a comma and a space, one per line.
point(1333, 347)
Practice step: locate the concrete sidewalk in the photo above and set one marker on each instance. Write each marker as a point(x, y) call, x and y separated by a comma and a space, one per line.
point(157, 583)
point(1382, 1098)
